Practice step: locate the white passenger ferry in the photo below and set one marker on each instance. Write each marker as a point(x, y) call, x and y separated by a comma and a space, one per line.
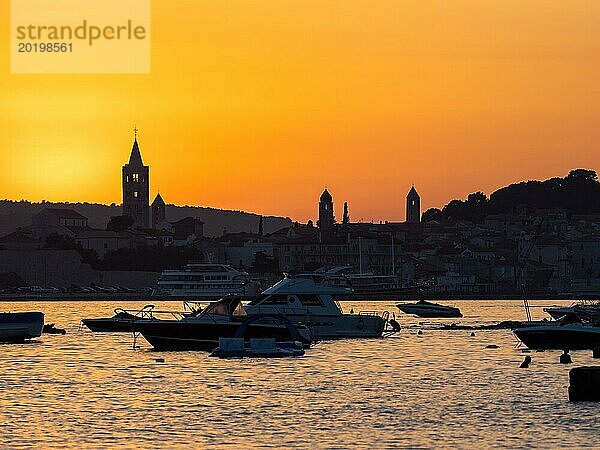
point(205, 281)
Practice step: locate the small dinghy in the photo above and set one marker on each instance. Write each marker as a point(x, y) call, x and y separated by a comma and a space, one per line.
point(427, 309)
point(21, 326)
point(256, 348)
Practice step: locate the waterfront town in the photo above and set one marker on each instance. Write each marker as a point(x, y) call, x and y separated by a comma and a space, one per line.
point(480, 247)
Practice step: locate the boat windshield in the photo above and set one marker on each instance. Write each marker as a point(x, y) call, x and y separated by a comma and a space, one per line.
point(226, 307)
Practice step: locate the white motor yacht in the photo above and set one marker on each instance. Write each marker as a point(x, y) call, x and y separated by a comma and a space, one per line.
point(302, 300)
point(205, 281)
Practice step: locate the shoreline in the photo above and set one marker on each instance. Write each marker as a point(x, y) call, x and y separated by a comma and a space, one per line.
point(94, 297)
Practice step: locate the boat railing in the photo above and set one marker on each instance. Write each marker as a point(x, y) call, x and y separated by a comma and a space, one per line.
point(148, 313)
point(383, 314)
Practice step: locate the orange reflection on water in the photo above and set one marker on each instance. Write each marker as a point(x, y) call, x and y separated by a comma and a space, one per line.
point(441, 388)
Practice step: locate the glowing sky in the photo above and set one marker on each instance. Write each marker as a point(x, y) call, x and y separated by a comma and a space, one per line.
point(258, 105)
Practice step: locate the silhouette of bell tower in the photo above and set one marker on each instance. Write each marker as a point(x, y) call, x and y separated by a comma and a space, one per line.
point(159, 213)
point(136, 187)
point(413, 206)
point(326, 218)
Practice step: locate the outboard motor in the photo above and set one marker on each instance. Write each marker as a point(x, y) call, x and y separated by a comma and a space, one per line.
point(395, 325)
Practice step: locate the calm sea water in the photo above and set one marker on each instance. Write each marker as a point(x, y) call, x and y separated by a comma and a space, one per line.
point(438, 389)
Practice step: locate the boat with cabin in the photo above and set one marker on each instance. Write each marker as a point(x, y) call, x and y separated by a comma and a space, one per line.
point(205, 281)
point(364, 285)
point(304, 301)
point(225, 318)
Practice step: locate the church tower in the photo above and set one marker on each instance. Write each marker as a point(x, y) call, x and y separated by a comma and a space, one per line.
point(136, 187)
point(159, 213)
point(413, 206)
point(326, 218)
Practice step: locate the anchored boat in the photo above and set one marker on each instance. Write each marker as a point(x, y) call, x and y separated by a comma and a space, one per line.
point(584, 309)
point(568, 333)
point(20, 326)
point(427, 309)
point(303, 301)
point(205, 281)
point(123, 319)
point(224, 318)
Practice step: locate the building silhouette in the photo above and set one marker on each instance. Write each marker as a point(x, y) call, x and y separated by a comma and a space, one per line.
point(413, 206)
point(326, 220)
point(136, 187)
point(159, 214)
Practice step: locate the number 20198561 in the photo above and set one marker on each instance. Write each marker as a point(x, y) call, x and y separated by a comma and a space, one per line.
point(43, 47)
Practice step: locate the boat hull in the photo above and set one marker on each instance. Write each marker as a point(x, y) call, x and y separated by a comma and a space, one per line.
point(324, 326)
point(342, 327)
point(576, 337)
point(110, 325)
point(430, 313)
point(19, 327)
point(190, 335)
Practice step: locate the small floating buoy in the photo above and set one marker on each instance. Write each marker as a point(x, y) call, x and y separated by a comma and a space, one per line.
point(420, 332)
point(351, 311)
point(472, 333)
point(492, 346)
point(160, 360)
point(565, 358)
point(526, 362)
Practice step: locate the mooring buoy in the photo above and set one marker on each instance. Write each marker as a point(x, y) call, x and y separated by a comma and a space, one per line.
point(526, 362)
point(565, 358)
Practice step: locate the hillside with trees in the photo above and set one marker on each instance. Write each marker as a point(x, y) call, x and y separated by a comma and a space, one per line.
point(15, 214)
point(577, 193)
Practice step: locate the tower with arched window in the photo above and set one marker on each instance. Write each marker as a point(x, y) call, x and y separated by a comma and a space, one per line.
point(326, 219)
point(136, 188)
point(413, 206)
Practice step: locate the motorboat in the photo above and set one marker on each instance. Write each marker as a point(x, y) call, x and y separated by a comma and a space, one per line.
point(423, 308)
point(256, 348)
point(223, 318)
point(205, 281)
point(568, 333)
point(304, 301)
point(123, 320)
point(363, 284)
point(20, 326)
point(585, 309)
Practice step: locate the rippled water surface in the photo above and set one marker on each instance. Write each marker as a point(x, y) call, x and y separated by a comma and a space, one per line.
point(441, 388)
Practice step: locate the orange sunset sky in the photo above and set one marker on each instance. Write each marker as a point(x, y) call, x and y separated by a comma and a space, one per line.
point(258, 105)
